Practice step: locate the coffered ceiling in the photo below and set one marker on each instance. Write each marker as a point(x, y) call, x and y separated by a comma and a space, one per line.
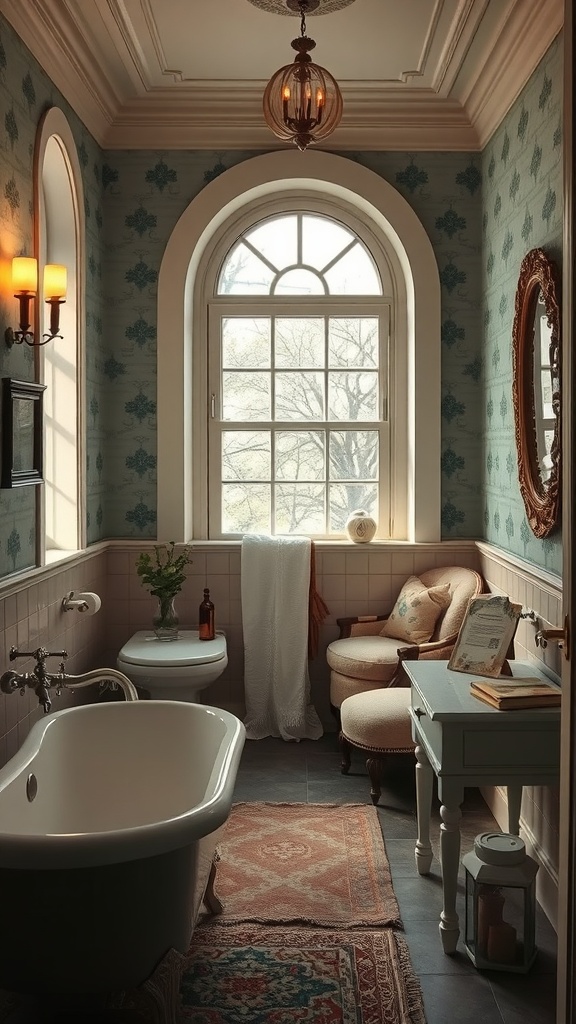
point(186, 74)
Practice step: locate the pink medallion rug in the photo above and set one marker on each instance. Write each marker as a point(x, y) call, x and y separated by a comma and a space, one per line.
point(316, 864)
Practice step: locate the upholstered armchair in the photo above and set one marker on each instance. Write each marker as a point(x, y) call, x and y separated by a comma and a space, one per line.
point(369, 691)
point(423, 624)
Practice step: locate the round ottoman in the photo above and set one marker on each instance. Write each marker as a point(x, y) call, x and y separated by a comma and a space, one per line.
point(376, 721)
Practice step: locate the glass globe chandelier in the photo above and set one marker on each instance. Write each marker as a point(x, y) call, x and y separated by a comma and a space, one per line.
point(302, 101)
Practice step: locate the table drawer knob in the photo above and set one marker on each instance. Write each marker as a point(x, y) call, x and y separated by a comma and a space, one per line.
point(419, 712)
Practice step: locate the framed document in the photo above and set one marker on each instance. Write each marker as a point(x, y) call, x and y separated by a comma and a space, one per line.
point(485, 635)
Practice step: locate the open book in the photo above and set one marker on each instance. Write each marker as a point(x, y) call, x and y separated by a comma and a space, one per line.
point(485, 635)
point(517, 693)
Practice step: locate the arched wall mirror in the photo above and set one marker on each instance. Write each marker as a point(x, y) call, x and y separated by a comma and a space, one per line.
point(536, 390)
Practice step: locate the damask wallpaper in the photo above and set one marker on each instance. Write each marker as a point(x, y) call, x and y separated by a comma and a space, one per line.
point(145, 195)
point(521, 210)
point(481, 211)
point(25, 93)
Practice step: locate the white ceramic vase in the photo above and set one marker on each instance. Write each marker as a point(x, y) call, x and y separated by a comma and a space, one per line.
point(360, 527)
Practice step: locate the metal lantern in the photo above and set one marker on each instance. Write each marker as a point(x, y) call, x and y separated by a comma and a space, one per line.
point(500, 903)
point(302, 101)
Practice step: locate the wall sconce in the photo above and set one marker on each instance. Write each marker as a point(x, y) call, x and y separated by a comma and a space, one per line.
point(25, 284)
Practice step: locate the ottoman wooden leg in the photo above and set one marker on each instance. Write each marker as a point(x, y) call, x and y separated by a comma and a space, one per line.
point(345, 752)
point(374, 767)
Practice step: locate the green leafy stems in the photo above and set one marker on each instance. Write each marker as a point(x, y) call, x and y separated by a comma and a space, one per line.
point(164, 574)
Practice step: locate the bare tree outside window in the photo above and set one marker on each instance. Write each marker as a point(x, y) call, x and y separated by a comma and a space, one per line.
point(303, 389)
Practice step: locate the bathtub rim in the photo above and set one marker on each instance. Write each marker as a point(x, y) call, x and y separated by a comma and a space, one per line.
point(80, 850)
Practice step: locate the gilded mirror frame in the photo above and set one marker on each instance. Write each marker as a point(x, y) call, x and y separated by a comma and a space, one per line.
point(541, 498)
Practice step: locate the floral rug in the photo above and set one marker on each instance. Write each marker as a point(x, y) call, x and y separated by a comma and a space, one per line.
point(319, 864)
point(248, 974)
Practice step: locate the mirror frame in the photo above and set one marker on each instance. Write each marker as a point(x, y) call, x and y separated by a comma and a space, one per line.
point(541, 500)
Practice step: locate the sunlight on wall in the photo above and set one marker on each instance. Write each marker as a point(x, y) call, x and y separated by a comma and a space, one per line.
point(59, 245)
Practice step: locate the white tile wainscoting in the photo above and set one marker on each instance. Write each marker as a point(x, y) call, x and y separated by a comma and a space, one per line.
point(542, 592)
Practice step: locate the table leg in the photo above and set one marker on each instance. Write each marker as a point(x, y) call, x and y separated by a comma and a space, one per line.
point(424, 780)
point(514, 805)
point(450, 858)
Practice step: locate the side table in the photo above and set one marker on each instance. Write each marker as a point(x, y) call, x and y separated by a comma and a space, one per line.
point(465, 742)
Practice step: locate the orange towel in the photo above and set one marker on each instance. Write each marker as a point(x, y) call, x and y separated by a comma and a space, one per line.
point(317, 608)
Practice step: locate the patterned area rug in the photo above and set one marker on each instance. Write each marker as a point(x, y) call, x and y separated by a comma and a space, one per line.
point(318, 864)
point(247, 974)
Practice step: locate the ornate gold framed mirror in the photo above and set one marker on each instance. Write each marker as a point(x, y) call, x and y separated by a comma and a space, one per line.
point(536, 390)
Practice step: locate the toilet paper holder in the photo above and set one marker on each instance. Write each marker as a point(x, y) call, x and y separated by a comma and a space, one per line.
point(81, 602)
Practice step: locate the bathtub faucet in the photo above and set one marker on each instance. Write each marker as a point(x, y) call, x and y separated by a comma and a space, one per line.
point(39, 679)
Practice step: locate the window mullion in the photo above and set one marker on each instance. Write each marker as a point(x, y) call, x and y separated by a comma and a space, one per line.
point(297, 489)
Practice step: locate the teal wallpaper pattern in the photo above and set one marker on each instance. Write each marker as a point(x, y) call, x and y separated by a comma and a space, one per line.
point(521, 210)
point(146, 192)
point(481, 212)
point(444, 190)
point(25, 92)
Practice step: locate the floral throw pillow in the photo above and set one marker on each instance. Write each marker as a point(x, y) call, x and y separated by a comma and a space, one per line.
point(416, 611)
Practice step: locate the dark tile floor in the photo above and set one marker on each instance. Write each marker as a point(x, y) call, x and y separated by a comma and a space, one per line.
point(453, 989)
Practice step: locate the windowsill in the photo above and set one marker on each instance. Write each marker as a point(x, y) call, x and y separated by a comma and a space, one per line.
point(54, 555)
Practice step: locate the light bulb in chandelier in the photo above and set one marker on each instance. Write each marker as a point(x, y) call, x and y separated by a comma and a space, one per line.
point(302, 101)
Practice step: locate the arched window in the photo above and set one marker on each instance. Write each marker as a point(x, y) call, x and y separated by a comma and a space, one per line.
point(234, 220)
point(60, 232)
point(299, 358)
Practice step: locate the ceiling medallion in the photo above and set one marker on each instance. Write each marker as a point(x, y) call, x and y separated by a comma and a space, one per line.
point(292, 7)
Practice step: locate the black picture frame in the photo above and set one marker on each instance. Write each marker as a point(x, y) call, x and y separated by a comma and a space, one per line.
point(22, 448)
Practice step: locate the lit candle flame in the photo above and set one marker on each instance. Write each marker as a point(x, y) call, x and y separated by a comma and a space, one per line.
point(285, 99)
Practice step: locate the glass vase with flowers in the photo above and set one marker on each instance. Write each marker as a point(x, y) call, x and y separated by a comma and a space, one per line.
point(164, 575)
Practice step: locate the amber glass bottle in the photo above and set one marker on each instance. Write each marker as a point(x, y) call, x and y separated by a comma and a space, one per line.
point(206, 618)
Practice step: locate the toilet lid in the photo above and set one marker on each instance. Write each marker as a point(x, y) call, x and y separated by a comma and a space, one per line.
point(144, 648)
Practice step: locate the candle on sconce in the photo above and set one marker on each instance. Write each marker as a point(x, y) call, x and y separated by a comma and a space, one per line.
point(24, 275)
point(55, 282)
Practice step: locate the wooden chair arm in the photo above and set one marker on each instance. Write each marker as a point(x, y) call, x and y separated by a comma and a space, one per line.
point(435, 651)
point(438, 650)
point(360, 625)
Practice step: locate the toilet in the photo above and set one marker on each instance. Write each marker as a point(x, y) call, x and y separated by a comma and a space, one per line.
point(173, 670)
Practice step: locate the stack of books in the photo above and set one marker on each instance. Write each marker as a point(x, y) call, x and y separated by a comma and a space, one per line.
point(516, 693)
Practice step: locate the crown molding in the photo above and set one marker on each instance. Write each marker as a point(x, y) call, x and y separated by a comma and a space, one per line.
point(210, 115)
point(54, 40)
point(234, 137)
point(231, 118)
point(515, 53)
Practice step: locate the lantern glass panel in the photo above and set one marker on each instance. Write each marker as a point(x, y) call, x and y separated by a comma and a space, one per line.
point(500, 925)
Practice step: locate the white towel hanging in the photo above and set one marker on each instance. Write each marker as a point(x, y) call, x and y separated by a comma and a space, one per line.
point(275, 581)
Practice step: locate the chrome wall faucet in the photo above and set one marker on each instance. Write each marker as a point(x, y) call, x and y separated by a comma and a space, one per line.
point(42, 681)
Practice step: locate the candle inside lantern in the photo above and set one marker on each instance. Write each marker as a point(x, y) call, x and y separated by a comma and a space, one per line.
point(285, 100)
point(320, 100)
point(501, 944)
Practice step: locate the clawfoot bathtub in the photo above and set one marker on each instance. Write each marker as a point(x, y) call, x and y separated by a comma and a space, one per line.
point(109, 817)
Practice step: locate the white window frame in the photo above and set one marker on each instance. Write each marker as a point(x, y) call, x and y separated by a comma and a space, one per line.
point(182, 326)
point(264, 306)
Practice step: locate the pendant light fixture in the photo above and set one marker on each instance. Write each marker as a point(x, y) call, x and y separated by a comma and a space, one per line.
point(302, 101)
